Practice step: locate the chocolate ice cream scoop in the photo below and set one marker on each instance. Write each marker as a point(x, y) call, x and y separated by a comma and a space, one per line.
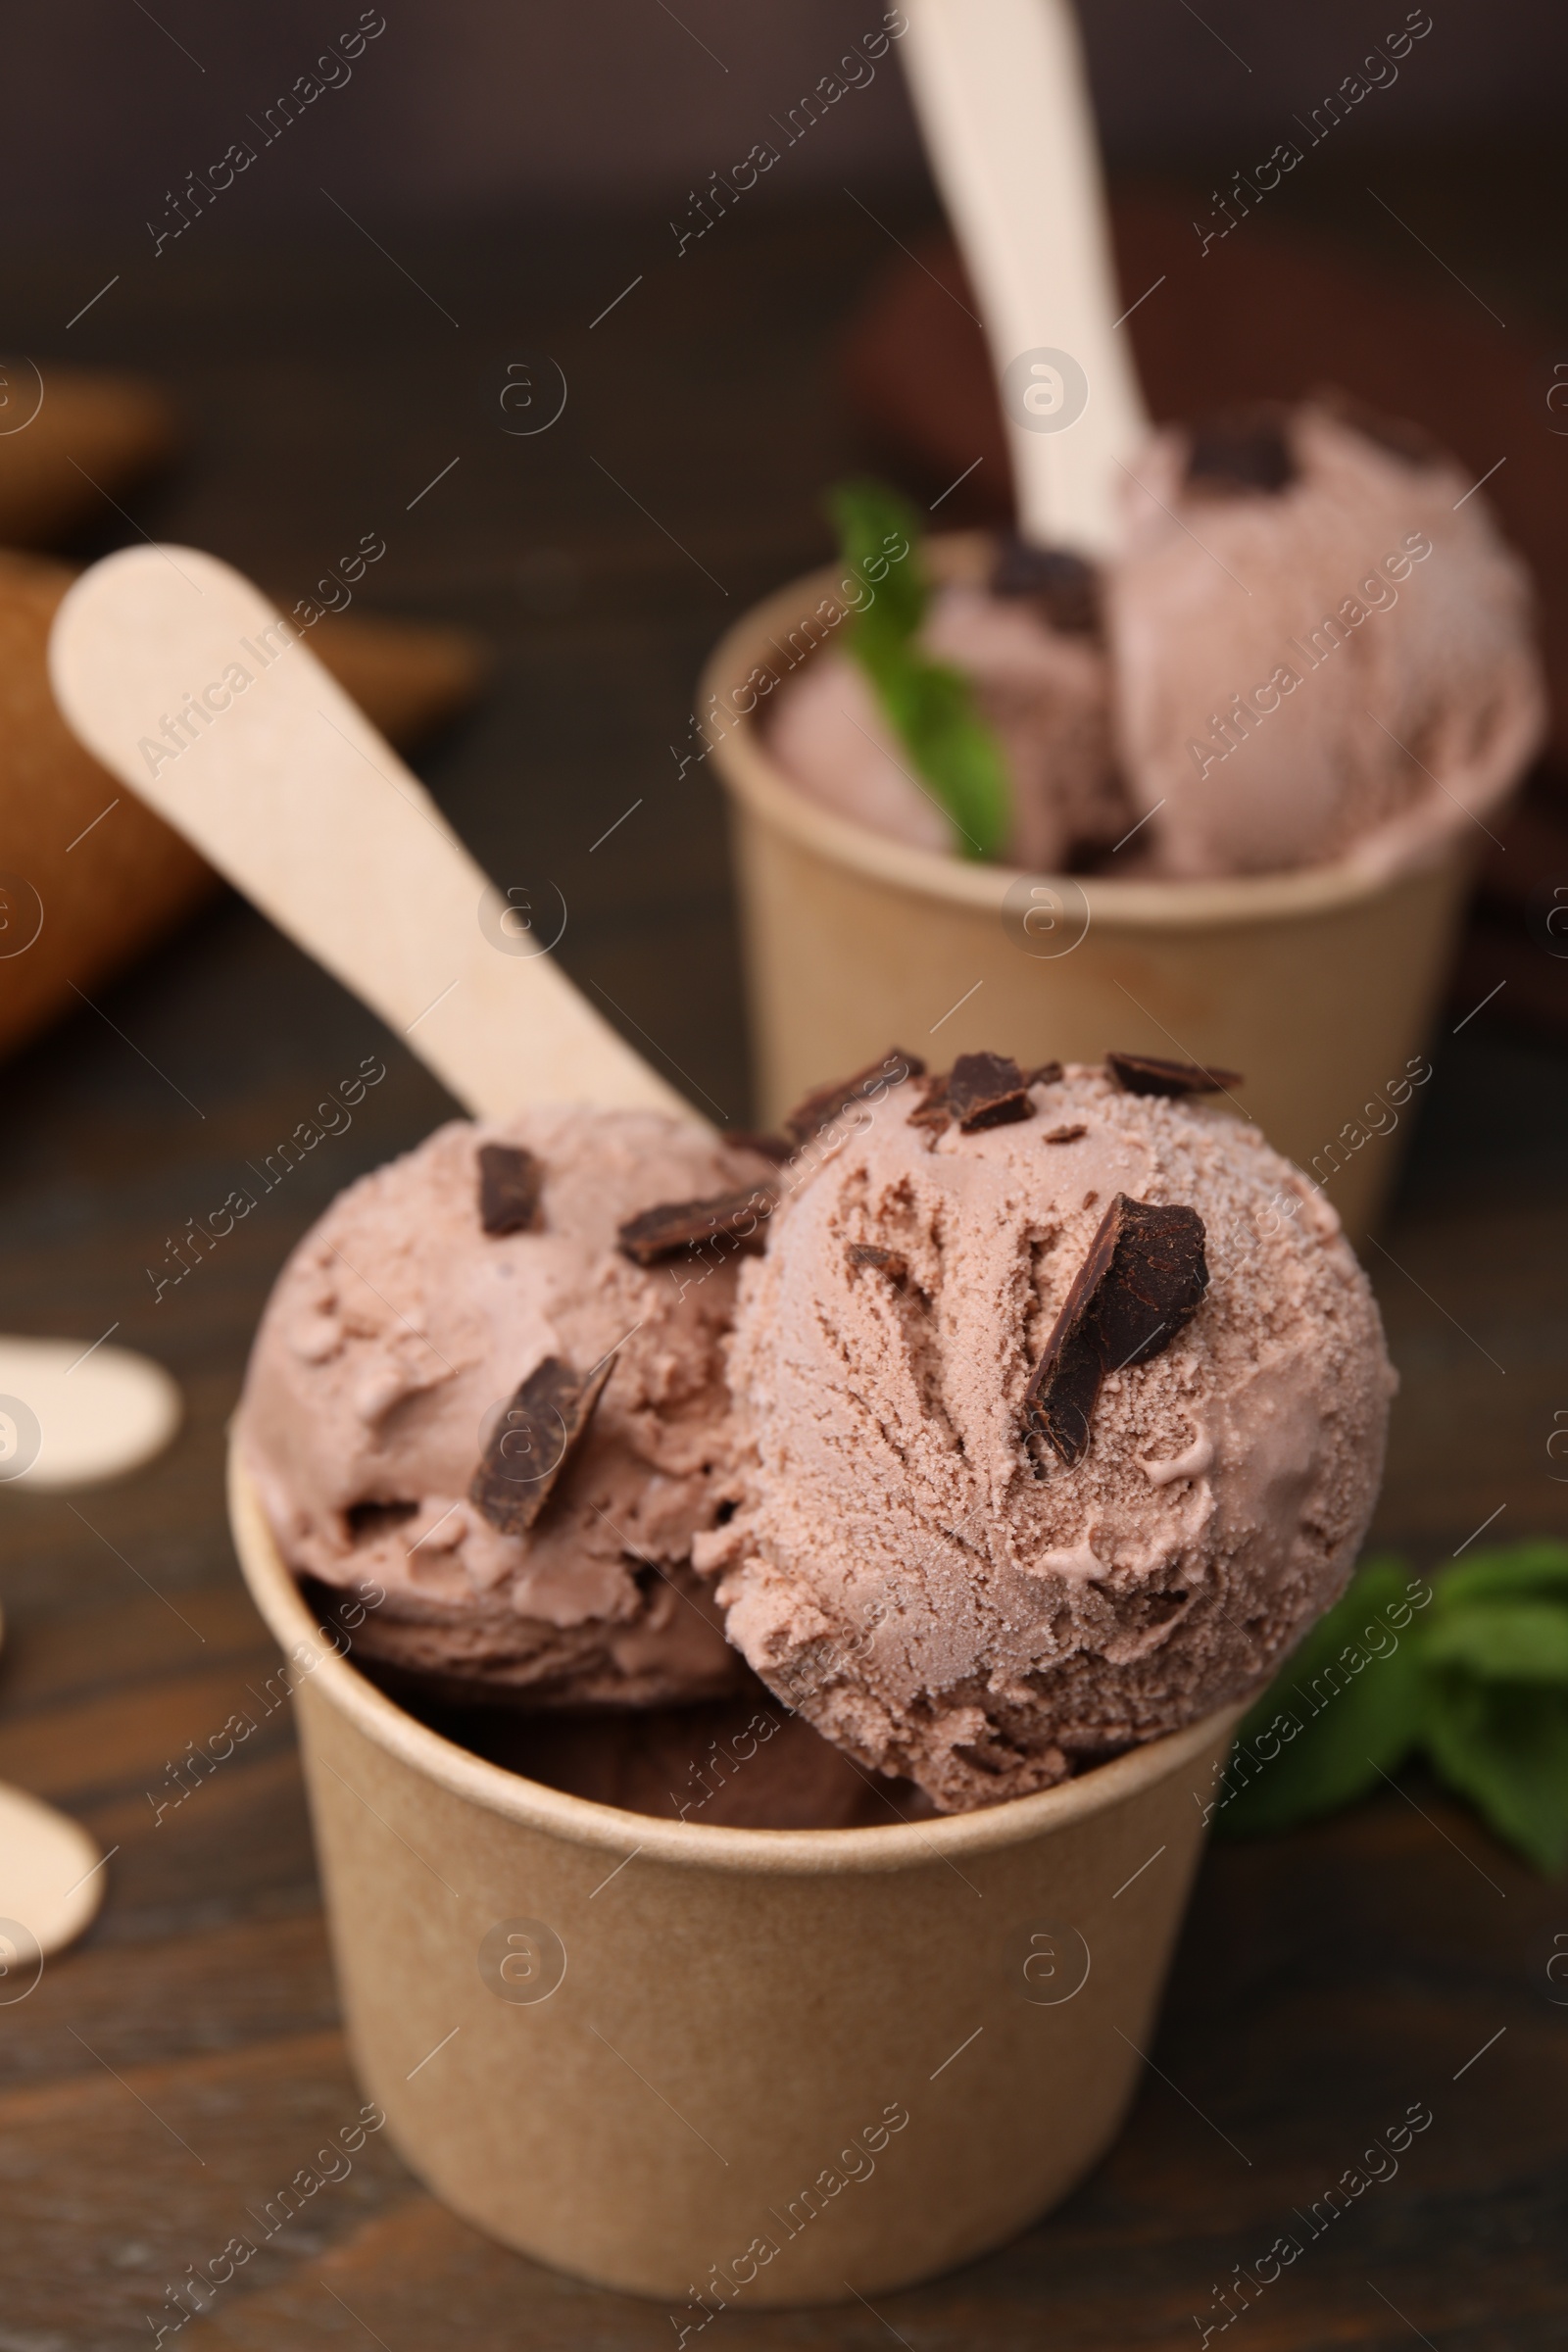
point(1320, 646)
point(1058, 1431)
point(468, 1397)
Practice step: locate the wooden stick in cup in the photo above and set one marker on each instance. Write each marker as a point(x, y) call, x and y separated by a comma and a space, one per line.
point(1003, 106)
point(184, 680)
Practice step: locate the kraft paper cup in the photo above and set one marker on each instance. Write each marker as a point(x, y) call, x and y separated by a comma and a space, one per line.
point(733, 2067)
point(1320, 986)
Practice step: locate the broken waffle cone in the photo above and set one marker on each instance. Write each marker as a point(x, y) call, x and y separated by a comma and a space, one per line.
point(67, 438)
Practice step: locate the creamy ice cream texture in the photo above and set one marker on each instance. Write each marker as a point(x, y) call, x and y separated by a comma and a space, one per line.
point(381, 1422)
point(933, 1583)
point(1313, 645)
point(1335, 658)
point(1053, 1413)
point(1043, 690)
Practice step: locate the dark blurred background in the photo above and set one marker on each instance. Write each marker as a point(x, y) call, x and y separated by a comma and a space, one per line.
point(468, 106)
point(493, 185)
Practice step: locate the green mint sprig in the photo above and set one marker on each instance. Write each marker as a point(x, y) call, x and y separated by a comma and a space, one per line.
point(930, 706)
point(1469, 1671)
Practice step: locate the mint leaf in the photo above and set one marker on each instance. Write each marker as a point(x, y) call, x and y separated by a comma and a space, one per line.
point(1515, 1641)
point(874, 523)
point(930, 706)
point(1479, 1681)
point(933, 710)
point(1512, 1570)
point(1505, 1746)
point(1347, 1704)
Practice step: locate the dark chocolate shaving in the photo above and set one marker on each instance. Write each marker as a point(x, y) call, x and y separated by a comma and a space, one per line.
point(1064, 589)
point(1047, 1075)
point(1064, 1135)
point(676, 1225)
point(829, 1102)
point(1411, 443)
point(891, 1262)
point(511, 1181)
point(1146, 1074)
point(1243, 450)
point(931, 1111)
point(1142, 1280)
point(776, 1147)
point(988, 1089)
point(532, 1442)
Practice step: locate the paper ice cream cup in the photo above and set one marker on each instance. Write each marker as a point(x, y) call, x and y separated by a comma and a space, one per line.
point(728, 2067)
point(1319, 985)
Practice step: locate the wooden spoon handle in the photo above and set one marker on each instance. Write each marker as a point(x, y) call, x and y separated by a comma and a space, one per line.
point(184, 680)
point(1005, 110)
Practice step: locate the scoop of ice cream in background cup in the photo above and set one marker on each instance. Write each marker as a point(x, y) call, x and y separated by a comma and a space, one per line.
point(1319, 984)
point(729, 2067)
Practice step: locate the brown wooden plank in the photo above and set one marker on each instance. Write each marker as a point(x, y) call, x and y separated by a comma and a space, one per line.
point(171, 1997)
point(113, 2182)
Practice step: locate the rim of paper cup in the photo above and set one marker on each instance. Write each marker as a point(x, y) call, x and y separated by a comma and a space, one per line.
point(580, 1821)
point(756, 779)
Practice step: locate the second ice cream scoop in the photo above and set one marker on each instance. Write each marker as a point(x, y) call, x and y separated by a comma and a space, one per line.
point(987, 1580)
point(1320, 645)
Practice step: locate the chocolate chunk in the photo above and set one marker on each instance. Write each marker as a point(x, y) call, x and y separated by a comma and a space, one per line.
point(988, 1089)
point(821, 1108)
point(1146, 1074)
point(531, 1442)
point(932, 1111)
point(776, 1147)
point(1047, 1075)
point(1062, 586)
point(1142, 1280)
point(511, 1181)
point(676, 1225)
point(1243, 450)
point(890, 1262)
point(1412, 444)
point(1089, 1198)
point(1064, 1135)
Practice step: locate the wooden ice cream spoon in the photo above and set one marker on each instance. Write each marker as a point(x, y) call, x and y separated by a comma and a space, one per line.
point(182, 679)
point(1005, 111)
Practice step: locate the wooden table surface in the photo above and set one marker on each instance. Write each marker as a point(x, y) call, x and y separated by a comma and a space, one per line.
point(185, 2059)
